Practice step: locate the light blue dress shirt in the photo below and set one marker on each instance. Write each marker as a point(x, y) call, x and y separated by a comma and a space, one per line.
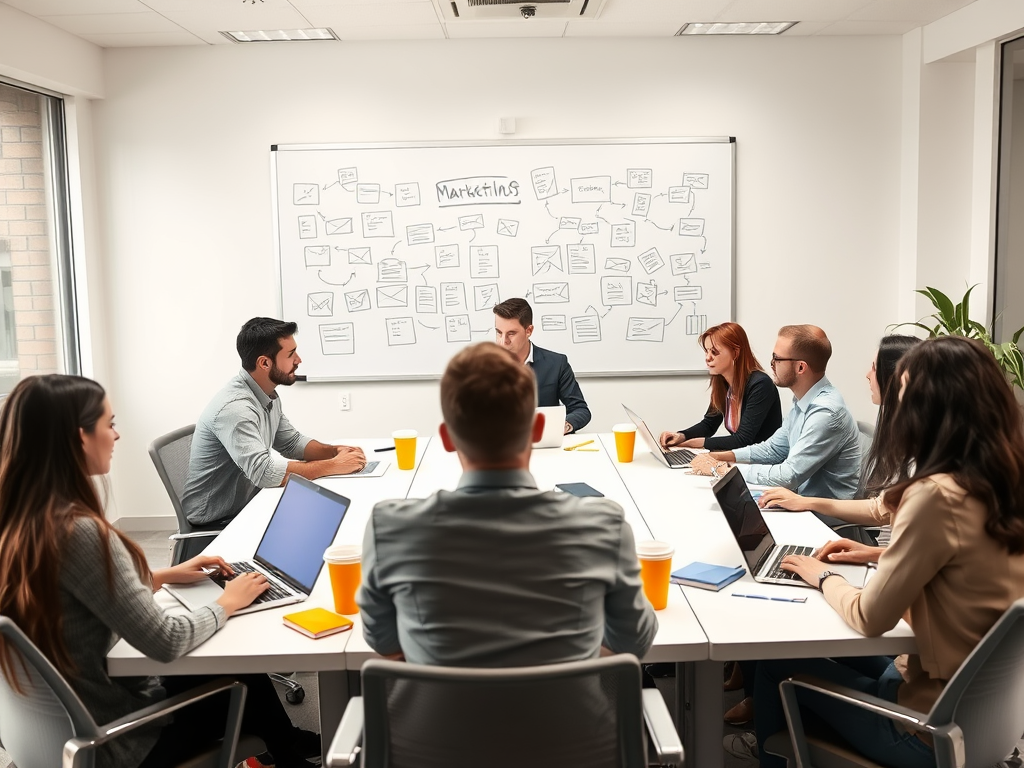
point(816, 451)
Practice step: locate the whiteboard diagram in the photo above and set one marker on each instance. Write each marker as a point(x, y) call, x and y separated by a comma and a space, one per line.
point(392, 256)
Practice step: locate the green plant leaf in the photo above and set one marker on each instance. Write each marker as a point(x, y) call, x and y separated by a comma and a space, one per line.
point(947, 313)
point(1016, 336)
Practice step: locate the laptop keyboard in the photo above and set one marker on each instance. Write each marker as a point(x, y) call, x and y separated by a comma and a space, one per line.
point(680, 457)
point(776, 571)
point(275, 592)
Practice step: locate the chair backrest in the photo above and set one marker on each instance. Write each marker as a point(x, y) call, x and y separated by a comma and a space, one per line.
point(170, 454)
point(585, 713)
point(35, 724)
point(985, 698)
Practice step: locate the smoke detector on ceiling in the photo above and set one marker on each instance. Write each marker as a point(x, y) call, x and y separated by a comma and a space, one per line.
point(518, 10)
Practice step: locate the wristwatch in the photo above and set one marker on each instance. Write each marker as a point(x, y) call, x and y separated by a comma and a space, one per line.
point(824, 575)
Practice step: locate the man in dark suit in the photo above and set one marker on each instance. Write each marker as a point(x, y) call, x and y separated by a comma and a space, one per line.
point(556, 383)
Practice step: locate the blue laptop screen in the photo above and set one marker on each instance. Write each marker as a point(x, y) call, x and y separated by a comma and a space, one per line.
point(304, 525)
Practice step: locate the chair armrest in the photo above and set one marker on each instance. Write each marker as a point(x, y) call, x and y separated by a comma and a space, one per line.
point(194, 535)
point(666, 741)
point(344, 749)
point(949, 736)
point(73, 756)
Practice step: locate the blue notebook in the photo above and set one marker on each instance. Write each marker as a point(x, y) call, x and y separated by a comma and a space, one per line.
point(705, 576)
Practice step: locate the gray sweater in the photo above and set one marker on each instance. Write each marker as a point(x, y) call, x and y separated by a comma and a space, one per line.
point(96, 616)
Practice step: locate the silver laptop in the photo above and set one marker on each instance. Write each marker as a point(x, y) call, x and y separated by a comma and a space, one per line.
point(762, 554)
point(554, 426)
point(291, 553)
point(678, 458)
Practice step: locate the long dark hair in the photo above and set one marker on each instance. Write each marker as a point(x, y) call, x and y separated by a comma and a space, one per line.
point(958, 416)
point(44, 487)
point(878, 472)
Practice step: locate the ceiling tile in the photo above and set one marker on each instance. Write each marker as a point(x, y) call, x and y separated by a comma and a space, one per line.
point(114, 23)
point(805, 29)
point(143, 39)
point(368, 15)
point(921, 11)
point(393, 32)
point(76, 7)
point(790, 10)
point(869, 28)
point(521, 28)
point(621, 29)
point(640, 11)
point(214, 18)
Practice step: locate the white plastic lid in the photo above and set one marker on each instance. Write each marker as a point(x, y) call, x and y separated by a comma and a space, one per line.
point(624, 427)
point(654, 550)
point(343, 554)
point(404, 433)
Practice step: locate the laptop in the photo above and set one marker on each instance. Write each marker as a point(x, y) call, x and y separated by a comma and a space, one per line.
point(677, 458)
point(554, 426)
point(291, 553)
point(762, 554)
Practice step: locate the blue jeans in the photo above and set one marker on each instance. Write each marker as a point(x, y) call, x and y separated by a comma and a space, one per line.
point(872, 735)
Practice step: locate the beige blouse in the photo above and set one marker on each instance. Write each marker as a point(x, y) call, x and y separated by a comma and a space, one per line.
point(942, 573)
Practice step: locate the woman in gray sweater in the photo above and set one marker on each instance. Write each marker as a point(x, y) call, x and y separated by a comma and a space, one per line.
point(75, 584)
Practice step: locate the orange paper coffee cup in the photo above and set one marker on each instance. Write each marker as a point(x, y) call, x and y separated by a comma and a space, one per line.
point(344, 566)
point(655, 570)
point(405, 448)
point(625, 441)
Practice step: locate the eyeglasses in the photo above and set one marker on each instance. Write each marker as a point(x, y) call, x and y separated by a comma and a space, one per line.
point(777, 359)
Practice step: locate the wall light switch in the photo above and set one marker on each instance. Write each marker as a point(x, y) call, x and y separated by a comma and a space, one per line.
point(345, 401)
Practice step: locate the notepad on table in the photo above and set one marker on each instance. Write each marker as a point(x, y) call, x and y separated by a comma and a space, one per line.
point(705, 576)
point(317, 622)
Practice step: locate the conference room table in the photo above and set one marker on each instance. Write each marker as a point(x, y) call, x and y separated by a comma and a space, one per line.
point(698, 631)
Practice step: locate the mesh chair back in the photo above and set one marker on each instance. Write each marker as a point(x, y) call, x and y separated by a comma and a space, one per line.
point(35, 725)
point(170, 455)
point(985, 698)
point(586, 714)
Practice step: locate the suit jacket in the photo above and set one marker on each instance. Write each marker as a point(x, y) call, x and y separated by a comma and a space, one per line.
point(556, 383)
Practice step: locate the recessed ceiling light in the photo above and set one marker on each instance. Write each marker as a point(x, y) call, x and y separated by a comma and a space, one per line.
point(736, 28)
point(279, 35)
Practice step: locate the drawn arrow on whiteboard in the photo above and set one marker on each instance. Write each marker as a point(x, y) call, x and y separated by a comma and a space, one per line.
point(446, 229)
point(395, 246)
point(676, 314)
point(618, 183)
point(473, 236)
point(547, 240)
point(328, 186)
point(423, 274)
point(324, 218)
point(390, 194)
point(429, 326)
point(320, 275)
point(661, 194)
point(693, 203)
point(547, 207)
point(663, 229)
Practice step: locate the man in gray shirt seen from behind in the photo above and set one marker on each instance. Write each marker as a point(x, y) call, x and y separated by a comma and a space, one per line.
point(498, 573)
point(238, 433)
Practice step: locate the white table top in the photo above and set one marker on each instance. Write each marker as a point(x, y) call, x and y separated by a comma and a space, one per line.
point(680, 509)
point(259, 642)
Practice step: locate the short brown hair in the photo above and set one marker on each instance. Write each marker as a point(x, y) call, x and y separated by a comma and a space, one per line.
point(488, 399)
point(810, 344)
point(515, 309)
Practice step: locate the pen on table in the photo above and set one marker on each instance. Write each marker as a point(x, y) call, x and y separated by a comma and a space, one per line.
point(773, 599)
point(578, 445)
point(588, 450)
point(388, 448)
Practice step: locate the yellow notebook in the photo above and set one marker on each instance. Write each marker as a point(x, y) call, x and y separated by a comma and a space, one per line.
point(317, 622)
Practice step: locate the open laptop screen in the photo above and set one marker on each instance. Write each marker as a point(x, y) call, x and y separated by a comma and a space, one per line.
point(744, 517)
point(304, 525)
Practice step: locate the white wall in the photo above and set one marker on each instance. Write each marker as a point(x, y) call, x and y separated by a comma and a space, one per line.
point(182, 154)
point(41, 54)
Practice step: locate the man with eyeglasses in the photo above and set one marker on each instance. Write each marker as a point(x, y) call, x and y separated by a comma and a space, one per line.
point(816, 451)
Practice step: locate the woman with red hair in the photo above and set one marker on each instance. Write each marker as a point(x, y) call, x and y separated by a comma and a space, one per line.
point(742, 395)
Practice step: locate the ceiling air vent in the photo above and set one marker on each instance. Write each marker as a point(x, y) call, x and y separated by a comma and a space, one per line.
point(523, 10)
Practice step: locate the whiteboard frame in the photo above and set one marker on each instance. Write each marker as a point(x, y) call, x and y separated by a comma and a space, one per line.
point(275, 148)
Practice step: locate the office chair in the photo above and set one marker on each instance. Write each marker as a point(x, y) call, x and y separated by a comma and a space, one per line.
point(48, 725)
point(585, 714)
point(170, 454)
point(975, 723)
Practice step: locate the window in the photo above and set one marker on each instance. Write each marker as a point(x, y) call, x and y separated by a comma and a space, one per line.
point(38, 323)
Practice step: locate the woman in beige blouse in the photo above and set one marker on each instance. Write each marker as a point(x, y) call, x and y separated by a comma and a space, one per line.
point(956, 560)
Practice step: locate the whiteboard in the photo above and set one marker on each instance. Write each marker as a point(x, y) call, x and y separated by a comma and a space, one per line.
point(392, 255)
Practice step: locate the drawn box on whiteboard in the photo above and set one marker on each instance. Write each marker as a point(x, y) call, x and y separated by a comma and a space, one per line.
point(696, 180)
point(588, 228)
point(307, 227)
point(426, 299)
point(392, 296)
point(453, 298)
point(679, 194)
point(624, 235)
point(378, 224)
point(483, 261)
point(348, 176)
point(359, 256)
point(552, 323)
point(687, 293)
point(641, 204)
point(546, 258)
point(392, 271)
point(696, 324)
point(508, 227)
point(551, 293)
point(338, 226)
point(645, 329)
point(647, 293)
point(616, 291)
point(569, 222)
point(639, 178)
point(683, 263)
point(338, 339)
point(320, 304)
point(585, 329)
point(446, 256)
point(485, 296)
point(475, 221)
point(544, 185)
point(401, 331)
point(617, 264)
point(456, 329)
point(419, 234)
point(357, 301)
point(317, 255)
point(591, 189)
point(368, 194)
point(407, 195)
point(651, 261)
point(691, 227)
point(305, 194)
point(582, 259)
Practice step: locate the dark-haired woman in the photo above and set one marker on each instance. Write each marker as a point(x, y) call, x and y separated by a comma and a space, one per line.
point(74, 583)
point(742, 395)
point(956, 561)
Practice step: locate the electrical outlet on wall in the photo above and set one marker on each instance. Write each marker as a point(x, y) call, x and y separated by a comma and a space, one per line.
point(345, 401)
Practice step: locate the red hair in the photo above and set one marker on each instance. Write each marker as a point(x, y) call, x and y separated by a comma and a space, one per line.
point(733, 337)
